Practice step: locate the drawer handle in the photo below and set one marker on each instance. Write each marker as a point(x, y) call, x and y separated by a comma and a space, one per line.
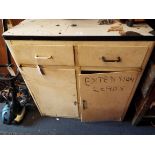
point(45, 58)
point(115, 60)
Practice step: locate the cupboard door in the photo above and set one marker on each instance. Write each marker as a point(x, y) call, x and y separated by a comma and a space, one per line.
point(104, 96)
point(54, 92)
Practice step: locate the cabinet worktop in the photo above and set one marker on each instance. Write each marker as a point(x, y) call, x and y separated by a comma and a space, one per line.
point(78, 30)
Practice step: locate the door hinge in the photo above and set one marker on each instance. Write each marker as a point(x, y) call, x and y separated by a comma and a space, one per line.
point(84, 104)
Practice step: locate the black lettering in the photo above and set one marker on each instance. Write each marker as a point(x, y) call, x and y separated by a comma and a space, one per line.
point(102, 89)
point(121, 79)
point(130, 79)
point(122, 88)
point(115, 88)
point(100, 79)
point(87, 81)
point(108, 88)
point(93, 80)
point(94, 89)
point(105, 79)
point(112, 79)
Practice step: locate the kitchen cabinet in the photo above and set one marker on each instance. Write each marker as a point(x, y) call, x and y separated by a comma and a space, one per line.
point(81, 71)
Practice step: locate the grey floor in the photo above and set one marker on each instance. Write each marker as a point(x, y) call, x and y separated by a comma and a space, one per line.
point(34, 124)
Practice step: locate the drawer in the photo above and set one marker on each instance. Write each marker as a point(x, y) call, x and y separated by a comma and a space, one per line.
point(44, 54)
point(111, 56)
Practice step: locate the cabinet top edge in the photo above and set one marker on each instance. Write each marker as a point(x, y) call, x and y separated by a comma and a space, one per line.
point(81, 38)
point(78, 30)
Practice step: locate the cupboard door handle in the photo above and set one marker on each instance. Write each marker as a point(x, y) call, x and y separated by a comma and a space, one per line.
point(108, 60)
point(45, 58)
point(40, 71)
point(84, 104)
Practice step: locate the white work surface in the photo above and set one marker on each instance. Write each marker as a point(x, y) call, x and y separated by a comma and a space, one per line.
point(65, 28)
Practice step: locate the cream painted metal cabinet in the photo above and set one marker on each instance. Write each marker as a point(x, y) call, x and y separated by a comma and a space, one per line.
point(73, 71)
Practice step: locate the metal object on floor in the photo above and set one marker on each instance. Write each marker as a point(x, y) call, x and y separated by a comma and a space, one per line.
point(11, 114)
point(7, 115)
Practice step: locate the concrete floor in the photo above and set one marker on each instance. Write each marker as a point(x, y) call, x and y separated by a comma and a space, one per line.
point(34, 124)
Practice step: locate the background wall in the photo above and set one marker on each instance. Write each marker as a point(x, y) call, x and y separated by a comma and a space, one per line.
point(2, 48)
point(3, 56)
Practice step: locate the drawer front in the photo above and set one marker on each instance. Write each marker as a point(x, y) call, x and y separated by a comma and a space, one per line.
point(54, 91)
point(44, 54)
point(114, 56)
